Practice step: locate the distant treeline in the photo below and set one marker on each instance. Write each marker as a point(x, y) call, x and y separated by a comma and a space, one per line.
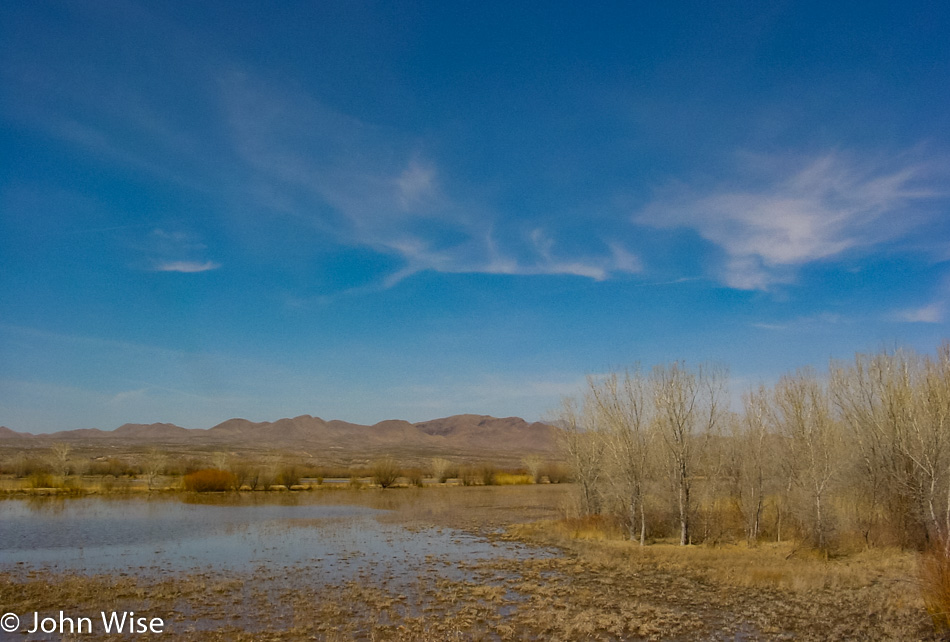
point(60, 467)
point(857, 455)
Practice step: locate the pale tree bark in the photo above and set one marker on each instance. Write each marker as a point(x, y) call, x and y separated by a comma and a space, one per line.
point(812, 438)
point(624, 411)
point(582, 446)
point(688, 409)
point(60, 458)
point(154, 465)
point(897, 408)
point(752, 459)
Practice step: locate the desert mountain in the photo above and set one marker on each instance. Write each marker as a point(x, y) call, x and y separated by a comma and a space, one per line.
point(6, 433)
point(459, 433)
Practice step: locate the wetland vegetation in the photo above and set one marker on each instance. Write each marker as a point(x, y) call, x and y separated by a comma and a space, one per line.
point(819, 511)
point(473, 563)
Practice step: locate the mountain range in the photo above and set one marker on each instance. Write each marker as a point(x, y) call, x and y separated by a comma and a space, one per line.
point(458, 433)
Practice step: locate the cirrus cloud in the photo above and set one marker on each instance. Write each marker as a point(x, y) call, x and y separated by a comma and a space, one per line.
point(783, 218)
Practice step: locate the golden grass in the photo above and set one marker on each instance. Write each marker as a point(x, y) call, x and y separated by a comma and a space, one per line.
point(935, 584)
point(786, 565)
point(512, 479)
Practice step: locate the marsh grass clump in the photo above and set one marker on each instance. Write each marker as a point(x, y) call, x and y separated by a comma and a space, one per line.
point(385, 472)
point(41, 479)
point(415, 477)
point(210, 480)
point(288, 476)
point(513, 479)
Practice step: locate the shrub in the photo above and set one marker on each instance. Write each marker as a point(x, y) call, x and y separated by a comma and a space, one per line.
point(468, 475)
point(487, 474)
point(288, 476)
point(41, 479)
point(385, 472)
point(557, 473)
point(415, 477)
point(209, 480)
point(442, 469)
point(111, 466)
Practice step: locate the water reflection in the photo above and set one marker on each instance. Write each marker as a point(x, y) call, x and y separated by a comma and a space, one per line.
point(230, 533)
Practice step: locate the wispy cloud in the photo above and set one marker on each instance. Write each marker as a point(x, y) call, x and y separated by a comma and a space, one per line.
point(783, 218)
point(933, 313)
point(370, 186)
point(186, 267)
point(176, 250)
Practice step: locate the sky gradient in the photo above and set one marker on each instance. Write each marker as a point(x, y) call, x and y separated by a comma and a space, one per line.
point(409, 210)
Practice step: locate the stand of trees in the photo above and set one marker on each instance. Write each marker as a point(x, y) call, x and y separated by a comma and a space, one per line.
point(860, 454)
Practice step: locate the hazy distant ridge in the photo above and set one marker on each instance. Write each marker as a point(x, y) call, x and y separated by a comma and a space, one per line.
point(459, 432)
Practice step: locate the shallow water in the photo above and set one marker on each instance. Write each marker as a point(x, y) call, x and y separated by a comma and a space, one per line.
point(167, 535)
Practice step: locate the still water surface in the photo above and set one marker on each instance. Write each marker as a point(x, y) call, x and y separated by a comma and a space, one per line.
point(168, 535)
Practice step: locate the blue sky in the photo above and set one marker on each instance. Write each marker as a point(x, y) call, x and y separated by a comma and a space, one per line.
point(409, 210)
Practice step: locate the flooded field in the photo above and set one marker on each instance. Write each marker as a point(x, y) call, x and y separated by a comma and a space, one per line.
point(147, 537)
point(419, 564)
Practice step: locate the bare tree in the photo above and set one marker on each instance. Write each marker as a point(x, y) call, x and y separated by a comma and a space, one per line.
point(533, 465)
point(688, 409)
point(583, 449)
point(812, 439)
point(625, 412)
point(751, 460)
point(897, 408)
point(154, 465)
point(440, 469)
point(60, 458)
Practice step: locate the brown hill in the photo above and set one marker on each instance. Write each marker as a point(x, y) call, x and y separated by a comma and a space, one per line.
point(485, 432)
point(150, 431)
point(7, 433)
point(458, 434)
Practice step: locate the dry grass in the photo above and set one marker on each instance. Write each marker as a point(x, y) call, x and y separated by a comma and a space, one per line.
point(512, 479)
point(935, 584)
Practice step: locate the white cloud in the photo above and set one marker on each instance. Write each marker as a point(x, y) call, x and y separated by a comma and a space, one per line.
point(366, 185)
point(818, 211)
point(933, 313)
point(415, 184)
point(187, 267)
point(175, 250)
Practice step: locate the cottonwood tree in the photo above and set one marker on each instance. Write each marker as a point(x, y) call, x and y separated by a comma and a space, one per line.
point(868, 395)
point(533, 465)
point(583, 448)
point(440, 469)
point(60, 458)
point(812, 440)
point(688, 407)
point(624, 412)
point(897, 408)
point(154, 465)
point(752, 459)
